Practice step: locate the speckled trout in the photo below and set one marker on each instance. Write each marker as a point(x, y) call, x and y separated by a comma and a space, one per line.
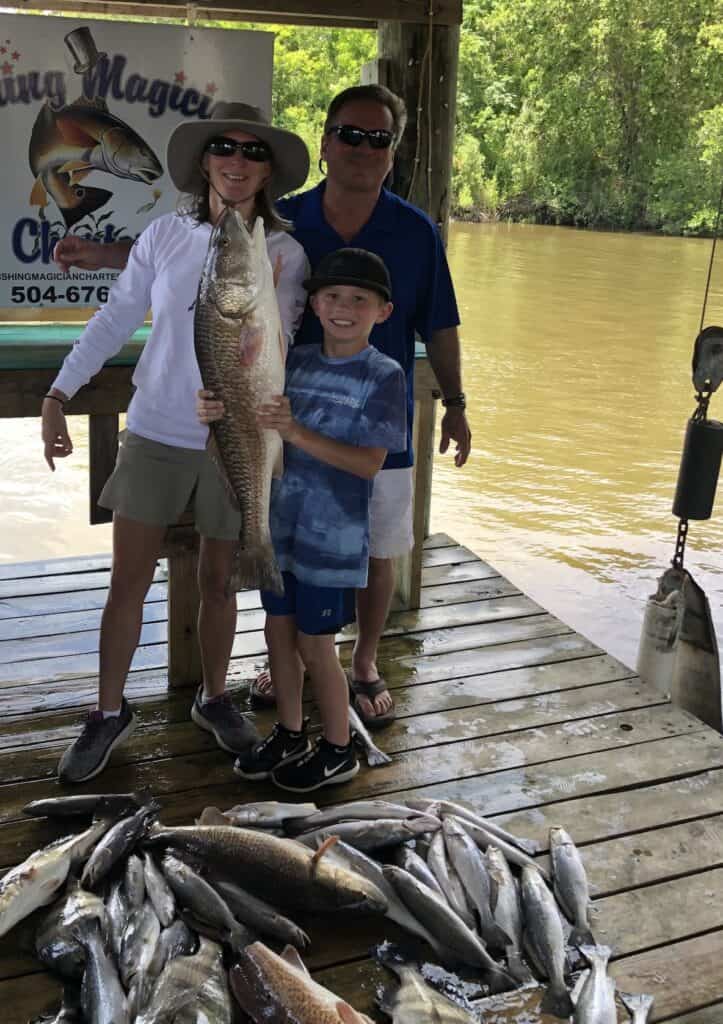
point(240, 350)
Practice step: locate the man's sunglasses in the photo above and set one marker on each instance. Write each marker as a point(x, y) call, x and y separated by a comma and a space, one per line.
point(251, 150)
point(379, 138)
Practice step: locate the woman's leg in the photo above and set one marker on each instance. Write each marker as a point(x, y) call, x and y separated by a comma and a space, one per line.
point(135, 551)
point(216, 614)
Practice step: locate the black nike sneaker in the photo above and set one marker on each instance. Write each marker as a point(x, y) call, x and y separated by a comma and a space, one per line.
point(324, 765)
point(281, 747)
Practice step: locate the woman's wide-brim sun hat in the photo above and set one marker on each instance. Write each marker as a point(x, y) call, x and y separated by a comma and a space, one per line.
point(290, 163)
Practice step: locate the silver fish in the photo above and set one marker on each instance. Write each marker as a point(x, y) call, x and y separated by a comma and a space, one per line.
point(447, 807)
point(374, 755)
point(416, 1002)
point(139, 942)
point(596, 1001)
point(35, 882)
point(410, 860)
point(441, 920)
point(159, 892)
point(449, 880)
point(545, 941)
point(268, 814)
point(261, 917)
point(212, 1003)
point(135, 883)
point(484, 837)
point(638, 1006)
point(176, 940)
point(55, 943)
point(241, 352)
point(355, 810)
point(373, 835)
point(470, 866)
point(102, 994)
point(507, 911)
point(180, 979)
point(196, 894)
point(570, 886)
point(106, 805)
point(116, 844)
point(118, 911)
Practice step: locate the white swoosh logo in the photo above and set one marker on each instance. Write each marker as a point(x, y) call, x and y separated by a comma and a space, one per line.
point(328, 772)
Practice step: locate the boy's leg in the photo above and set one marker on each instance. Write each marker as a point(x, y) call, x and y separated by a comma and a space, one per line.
point(287, 742)
point(135, 551)
point(213, 709)
point(329, 685)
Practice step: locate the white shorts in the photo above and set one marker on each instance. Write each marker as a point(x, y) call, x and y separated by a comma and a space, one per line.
point(391, 529)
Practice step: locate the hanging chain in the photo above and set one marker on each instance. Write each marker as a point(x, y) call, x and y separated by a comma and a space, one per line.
point(679, 555)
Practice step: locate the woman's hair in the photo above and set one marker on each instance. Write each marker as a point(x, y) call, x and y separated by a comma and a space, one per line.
point(372, 93)
point(196, 206)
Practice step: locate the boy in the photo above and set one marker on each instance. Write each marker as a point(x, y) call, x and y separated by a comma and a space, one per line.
point(343, 410)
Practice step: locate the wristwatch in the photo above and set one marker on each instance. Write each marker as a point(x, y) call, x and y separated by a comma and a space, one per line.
point(455, 401)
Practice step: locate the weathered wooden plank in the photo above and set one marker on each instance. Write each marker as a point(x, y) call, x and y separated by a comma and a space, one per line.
point(67, 643)
point(705, 1015)
point(73, 601)
point(457, 573)
point(546, 652)
point(442, 695)
point(457, 555)
point(474, 590)
point(405, 735)
point(529, 786)
point(55, 566)
point(628, 811)
point(154, 656)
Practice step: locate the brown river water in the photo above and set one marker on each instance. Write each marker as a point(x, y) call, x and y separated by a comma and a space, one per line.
point(577, 349)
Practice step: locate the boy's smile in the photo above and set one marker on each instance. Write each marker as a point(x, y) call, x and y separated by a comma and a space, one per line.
point(347, 314)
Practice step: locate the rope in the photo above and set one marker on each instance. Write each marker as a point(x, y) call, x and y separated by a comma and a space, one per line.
point(710, 264)
point(429, 112)
point(425, 69)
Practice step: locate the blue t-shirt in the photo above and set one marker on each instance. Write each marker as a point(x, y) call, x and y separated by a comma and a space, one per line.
point(320, 514)
point(422, 292)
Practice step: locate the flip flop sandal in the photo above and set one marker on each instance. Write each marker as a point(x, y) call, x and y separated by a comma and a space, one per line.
point(360, 688)
point(261, 698)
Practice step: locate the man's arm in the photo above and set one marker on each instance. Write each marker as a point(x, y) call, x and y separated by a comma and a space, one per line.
point(74, 251)
point(444, 355)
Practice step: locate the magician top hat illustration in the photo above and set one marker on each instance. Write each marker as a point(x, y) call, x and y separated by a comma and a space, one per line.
point(82, 48)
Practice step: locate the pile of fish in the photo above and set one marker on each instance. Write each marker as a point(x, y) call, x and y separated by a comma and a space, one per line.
point(166, 925)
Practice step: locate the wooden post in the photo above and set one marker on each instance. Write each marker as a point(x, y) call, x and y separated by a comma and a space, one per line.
point(184, 652)
point(102, 452)
point(419, 63)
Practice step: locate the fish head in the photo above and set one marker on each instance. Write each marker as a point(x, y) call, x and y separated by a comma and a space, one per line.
point(126, 155)
point(559, 837)
point(233, 275)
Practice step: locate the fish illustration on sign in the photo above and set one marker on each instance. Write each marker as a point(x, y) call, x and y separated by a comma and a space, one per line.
point(66, 145)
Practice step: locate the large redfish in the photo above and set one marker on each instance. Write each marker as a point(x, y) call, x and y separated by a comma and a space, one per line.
point(240, 350)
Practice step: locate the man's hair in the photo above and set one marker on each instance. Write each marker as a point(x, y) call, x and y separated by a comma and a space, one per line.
point(375, 94)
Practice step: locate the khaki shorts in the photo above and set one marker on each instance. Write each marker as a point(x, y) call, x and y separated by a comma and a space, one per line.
point(391, 530)
point(153, 483)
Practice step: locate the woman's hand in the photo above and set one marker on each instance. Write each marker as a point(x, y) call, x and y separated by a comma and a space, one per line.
point(208, 408)
point(276, 415)
point(56, 439)
point(74, 251)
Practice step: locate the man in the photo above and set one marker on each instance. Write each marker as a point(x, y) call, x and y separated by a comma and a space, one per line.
point(351, 207)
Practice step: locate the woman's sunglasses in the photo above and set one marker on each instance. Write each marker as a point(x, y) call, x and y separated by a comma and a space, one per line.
point(379, 138)
point(251, 150)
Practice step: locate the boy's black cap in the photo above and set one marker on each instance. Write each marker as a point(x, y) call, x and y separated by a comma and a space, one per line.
point(352, 266)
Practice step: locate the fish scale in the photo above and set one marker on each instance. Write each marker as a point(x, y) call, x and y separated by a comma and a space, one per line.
point(240, 352)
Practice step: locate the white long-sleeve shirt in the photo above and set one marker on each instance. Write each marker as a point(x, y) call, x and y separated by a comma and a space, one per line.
point(163, 270)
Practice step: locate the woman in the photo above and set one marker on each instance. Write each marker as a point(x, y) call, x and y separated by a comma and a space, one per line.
point(233, 159)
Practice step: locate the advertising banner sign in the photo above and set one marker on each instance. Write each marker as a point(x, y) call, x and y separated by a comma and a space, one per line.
point(86, 109)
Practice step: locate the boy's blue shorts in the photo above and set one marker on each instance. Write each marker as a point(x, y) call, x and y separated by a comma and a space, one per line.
point(317, 610)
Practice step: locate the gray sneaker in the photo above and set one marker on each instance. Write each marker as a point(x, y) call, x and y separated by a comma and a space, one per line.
point(220, 716)
point(88, 755)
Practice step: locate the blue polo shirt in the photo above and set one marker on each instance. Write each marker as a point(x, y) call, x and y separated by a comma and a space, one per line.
point(409, 243)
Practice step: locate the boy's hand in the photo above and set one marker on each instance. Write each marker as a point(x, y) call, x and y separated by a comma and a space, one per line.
point(209, 409)
point(276, 415)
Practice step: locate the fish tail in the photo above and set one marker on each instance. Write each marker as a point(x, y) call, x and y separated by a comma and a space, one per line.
point(596, 954)
point(496, 938)
point(255, 568)
point(517, 967)
point(557, 1001)
point(581, 937)
point(632, 1003)
point(499, 980)
point(375, 757)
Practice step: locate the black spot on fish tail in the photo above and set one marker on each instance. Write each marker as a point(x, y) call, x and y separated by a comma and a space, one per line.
point(256, 569)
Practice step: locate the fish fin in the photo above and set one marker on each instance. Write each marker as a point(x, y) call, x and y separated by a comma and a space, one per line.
point(255, 568)
point(499, 980)
point(318, 854)
point(75, 165)
point(213, 816)
point(292, 958)
point(518, 968)
point(38, 196)
point(496, 938)
point(557, 1001)
point(376, 757)
point(635, 1002)
point(580, 937)
point(596, 954)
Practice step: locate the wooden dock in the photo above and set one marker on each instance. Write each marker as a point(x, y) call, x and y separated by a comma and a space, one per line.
point(499, 703)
